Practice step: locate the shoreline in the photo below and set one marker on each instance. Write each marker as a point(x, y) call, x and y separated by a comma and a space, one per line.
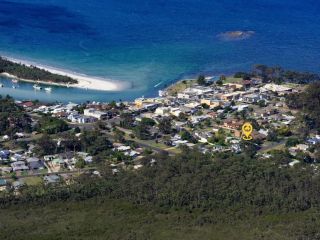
point(84, 81)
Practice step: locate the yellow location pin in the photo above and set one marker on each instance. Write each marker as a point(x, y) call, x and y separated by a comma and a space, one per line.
point(246, 131)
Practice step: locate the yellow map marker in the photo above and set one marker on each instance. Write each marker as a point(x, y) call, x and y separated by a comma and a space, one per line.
point(246, 131)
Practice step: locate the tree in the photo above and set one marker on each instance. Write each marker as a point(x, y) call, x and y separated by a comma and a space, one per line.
point(292, 141)
point(201, 80)
point(165, 125)
point(222, 78)
point(141, 132)
point(185, 135)
point(119, 135)
point(219, 82)
point(148, 121)
point(45, 146)
point(205, 106)
point(272, 136)
point(80, 163)
point(51, 125)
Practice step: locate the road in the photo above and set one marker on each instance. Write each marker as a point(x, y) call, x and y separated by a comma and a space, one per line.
point(52, 173)
point(272, 145)
point(142, 144)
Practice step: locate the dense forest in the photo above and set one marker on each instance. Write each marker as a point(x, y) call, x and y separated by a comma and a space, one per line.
point(206, 190)
point(13, 118)
point(32, 73)
point(308, 102)
point(278, 75)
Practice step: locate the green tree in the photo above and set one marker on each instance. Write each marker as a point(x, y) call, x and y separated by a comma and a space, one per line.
point(165, 125)
point(80, 163)
point(201, 80)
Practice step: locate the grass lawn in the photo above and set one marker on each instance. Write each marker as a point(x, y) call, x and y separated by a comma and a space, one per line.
point(233, 80)
point(180, 86)
point(31, 181)
point(273, 146)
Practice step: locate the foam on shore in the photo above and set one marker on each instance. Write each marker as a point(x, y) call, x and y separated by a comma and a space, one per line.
point(84, 81)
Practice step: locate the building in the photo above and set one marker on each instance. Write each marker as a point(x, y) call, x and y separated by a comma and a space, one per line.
point(51, 179)
point(95, 113)
point(19, 166)
point(211, 103)
point(35, 163)
point(3, 185)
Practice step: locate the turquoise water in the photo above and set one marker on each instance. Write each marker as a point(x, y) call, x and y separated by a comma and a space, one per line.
point(154, 43)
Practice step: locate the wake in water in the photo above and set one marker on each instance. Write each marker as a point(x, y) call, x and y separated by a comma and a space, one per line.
point(158, 84)
point(84, 49)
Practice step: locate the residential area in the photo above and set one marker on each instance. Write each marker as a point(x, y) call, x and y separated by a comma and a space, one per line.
point(61, 141)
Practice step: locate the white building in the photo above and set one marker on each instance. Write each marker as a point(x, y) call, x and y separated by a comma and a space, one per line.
point(94, 113)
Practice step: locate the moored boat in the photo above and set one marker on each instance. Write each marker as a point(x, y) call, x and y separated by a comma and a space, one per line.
point(37, 87)
point(48, 89)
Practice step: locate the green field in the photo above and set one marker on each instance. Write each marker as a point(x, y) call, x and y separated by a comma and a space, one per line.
point(233, 80)
point(180, 86)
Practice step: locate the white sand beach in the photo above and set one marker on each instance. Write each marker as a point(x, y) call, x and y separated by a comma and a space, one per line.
point(84, 81)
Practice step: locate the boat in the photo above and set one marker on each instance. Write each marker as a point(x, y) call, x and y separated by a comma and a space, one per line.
point(1, 85)
point(37, 87)
point(14, 80)
point(48, 89)
point(14, 87)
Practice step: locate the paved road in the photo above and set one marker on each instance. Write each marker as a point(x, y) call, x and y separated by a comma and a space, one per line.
point(157, 149)
point(52, 173)
point(272, 145)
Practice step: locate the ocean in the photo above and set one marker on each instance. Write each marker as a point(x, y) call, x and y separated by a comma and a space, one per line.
point(153, 43)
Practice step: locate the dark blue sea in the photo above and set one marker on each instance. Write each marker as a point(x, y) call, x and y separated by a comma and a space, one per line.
point(152, 43)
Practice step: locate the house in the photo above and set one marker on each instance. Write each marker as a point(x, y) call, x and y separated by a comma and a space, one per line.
point(241, 107)
point(16, 157)
point(203, 136)
point(183, 96)
point(252, 98)
point(19, 166)
point(230, 96)
point(51, 179)
point(3, 185)
point(4, 154)
point(35, 163)
point(136, 167)
point(16, 185)
point(211, 103)
point(6, 170)
point(95, 113)
point(233, 124)
point(58, 162)
point(161, 111)
point(27, 104)
point(198, 119)
point(48, 158)
point(5, 138)
point(123, 148)
point(280, 89)
point(315, 140)
point(88, 159)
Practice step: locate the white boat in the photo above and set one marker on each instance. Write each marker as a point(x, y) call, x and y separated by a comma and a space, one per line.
point(48, 89)
point(37, 87)
point(1, 85)
point(13, 86)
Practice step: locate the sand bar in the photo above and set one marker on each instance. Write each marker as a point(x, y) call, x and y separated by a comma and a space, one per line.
point(84, 81)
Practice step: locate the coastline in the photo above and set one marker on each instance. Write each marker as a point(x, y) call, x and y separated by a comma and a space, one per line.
point(84, 81)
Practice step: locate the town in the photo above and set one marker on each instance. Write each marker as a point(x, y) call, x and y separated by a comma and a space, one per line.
point(61, 141)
